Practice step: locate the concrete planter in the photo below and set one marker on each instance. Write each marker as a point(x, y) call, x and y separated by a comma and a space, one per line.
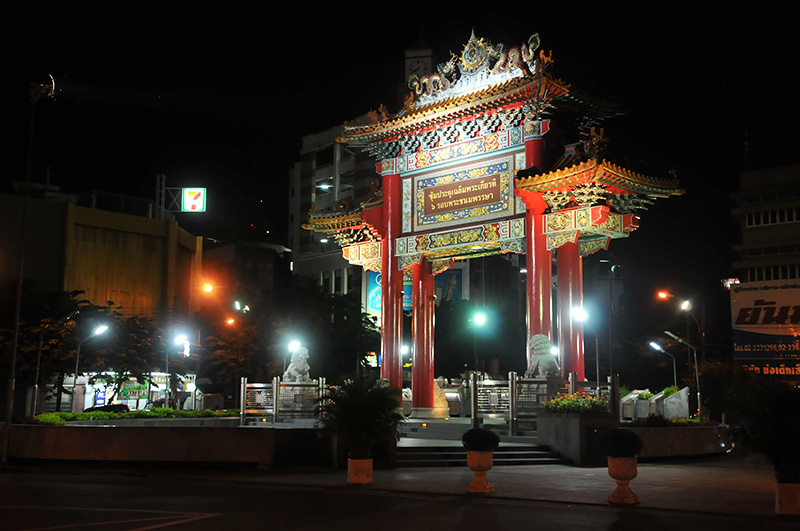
point(623, 470)
point(143, 444)
point(787, 498)
point(574, 435)
point(359, 471)
point(480, 463)
point(675, 441)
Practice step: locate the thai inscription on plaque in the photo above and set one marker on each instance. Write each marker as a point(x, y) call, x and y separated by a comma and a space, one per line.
point(462, 194)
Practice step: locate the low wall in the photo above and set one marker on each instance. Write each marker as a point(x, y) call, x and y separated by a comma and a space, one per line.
point(574, 436)
point(677, 441)
point(143, 443)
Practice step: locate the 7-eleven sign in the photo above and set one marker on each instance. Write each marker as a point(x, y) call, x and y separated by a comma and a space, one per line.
point(193, 200)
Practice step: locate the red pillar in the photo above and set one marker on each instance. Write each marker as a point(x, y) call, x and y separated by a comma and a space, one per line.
point(538, 260)
point(422, 400)
point(570, 295)
point(391, 286)
point(539, 279)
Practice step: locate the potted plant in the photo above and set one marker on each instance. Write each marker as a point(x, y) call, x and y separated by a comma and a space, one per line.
point(773, 429)
point(480, 445)
point(622, 448)
point(362, 412)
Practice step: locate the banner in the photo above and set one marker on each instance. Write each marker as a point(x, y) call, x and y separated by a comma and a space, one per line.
point(766, 327)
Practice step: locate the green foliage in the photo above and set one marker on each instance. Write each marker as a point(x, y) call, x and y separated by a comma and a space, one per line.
point(619, 442)
point(646, 395)
point(61, 418)
point(50, 418)
point(624, 390)
point(577, 403)
point(363, 412)
point(670, 390)
point(480, 440)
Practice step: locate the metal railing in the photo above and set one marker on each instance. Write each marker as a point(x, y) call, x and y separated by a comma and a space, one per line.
point(513, 399)
point(519, 398)
point(281, 400)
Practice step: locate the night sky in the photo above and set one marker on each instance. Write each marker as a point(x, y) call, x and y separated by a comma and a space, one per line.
point(221, 99)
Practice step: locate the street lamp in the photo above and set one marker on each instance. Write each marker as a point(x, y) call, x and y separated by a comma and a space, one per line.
point(659, 348)
point(478, 319)
point(696, 370)
point(580, 314)
point(39, 356)
point(96, 332)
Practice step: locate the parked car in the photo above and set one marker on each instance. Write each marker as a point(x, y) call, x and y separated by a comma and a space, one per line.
point(111, 408)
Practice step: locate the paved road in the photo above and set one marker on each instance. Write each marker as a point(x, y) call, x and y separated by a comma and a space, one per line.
point(143, 499)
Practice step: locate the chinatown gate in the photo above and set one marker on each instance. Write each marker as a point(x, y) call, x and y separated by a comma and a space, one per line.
point(465, 171)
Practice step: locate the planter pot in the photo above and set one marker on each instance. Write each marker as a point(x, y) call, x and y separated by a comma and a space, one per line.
point(574, 435)
point(480, 463)
point(623, 470)
point(787, 498)
point(359, 471)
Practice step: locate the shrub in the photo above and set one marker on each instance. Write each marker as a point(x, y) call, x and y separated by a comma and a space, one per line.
point(619, 442)
point(669, 391)
point(577, 403)
point(53, 419)
point(480, 440)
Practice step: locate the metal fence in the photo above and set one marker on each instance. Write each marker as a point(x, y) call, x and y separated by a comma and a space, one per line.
point(281, 400)
point(513, 399)
point(518, 398)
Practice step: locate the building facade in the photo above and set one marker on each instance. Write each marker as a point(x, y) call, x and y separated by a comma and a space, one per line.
point(765, 303)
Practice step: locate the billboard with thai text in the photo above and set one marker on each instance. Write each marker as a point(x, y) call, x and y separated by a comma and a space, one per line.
point(766, 327)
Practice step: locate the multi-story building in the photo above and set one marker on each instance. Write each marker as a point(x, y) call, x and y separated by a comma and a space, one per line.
point(767, 211)
point(765, 313)
point(328, 176)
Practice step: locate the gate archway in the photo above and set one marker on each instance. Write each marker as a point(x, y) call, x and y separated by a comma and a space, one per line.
point(464, 172)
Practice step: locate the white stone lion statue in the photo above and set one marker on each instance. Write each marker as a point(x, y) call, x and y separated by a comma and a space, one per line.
point(541, 360)
point(297, 371)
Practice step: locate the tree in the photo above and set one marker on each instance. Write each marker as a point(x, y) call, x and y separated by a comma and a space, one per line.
point(132, 352)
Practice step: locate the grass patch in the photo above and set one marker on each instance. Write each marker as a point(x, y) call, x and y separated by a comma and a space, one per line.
point(60, 418)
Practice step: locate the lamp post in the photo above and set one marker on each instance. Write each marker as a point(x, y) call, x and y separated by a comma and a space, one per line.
point(580, 314)
point(478, 319)
point(39, 356)
point(659, 348)
point(696, 370)
point(37, 92)
point(686, 307)
point(96, 332)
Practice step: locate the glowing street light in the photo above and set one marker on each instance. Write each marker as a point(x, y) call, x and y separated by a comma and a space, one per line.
point(659, 348)
point(96, 332)
point(478, 319)
point(293, 346)
point(580, 314)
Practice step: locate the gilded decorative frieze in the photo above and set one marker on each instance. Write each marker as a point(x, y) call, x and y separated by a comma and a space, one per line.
point(503, 236)
point(595, 223)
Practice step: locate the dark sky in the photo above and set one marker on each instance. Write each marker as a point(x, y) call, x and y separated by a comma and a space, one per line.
point(221, 98)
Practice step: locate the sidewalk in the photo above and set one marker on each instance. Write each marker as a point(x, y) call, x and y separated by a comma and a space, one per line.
point(743, 486)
